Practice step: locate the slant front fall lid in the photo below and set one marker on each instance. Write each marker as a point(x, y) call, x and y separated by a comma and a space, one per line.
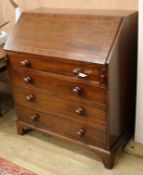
point(85, 37)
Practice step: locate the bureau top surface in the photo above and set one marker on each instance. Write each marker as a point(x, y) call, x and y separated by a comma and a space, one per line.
point(79, 35)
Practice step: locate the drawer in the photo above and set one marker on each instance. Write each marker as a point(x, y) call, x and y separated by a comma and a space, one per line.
point(59, 84)
point(63, 127)
point(80, 111)
point(71, 68)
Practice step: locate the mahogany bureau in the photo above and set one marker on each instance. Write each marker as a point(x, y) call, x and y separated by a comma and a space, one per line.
point(73, 75)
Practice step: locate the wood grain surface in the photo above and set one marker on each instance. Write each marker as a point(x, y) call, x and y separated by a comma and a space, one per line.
point(57, 66)
point(59, 84)
point(70, 36)
point(64, 127)
point(50, 87)
point(61, 106)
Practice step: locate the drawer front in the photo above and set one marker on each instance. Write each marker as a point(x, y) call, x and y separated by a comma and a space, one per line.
point(76, 110)
point(59, 84)
point(82, 70)
point(65, 128)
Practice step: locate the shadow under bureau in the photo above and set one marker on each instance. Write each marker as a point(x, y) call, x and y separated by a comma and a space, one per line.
point(73, 75)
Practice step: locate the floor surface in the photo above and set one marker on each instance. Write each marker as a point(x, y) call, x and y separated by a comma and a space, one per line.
point(134, 148)
point(49, 156)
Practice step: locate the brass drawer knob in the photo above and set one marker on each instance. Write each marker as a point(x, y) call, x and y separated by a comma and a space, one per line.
point(27, 79)
point(30, 98)
point(81, 132)
point(25, 63)
point(77, 90)
point(79, 111)
point(34, 117)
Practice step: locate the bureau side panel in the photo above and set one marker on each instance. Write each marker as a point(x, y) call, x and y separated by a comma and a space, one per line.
point(122, 81)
